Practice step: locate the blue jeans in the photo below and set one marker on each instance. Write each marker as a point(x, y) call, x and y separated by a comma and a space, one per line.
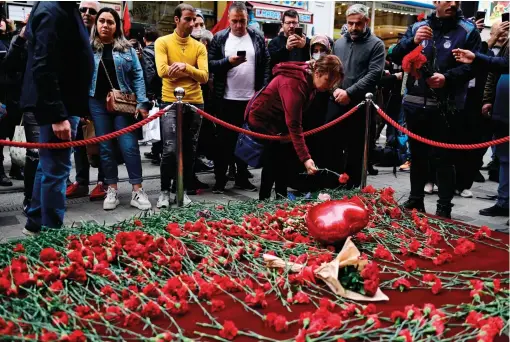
point(105, 123)
point(502, 154)
point(48, 204)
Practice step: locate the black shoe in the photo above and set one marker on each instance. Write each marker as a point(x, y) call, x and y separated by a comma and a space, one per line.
point(479, 178)
point(218, 188)
point(371, 171)
point(489, 166)
point(200, 166)
point(26, 206)
point(150, 155)
point(4, 180)
point(495, 210)
point(494, 175)
point(411, 204)
point(245, 185)
point(231, 172)
point(246, 174)
point(156, 161)
point(16, 173)
point(444, 210)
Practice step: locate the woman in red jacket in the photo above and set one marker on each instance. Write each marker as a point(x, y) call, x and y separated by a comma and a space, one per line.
point(278, 109)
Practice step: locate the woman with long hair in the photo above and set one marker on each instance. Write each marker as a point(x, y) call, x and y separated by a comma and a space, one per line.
point(117, 66)
point(278, 109)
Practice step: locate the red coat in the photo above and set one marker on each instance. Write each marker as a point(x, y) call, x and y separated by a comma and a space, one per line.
point(278, 109)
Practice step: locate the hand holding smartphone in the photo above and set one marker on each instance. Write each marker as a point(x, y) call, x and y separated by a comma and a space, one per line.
point(298, 31)
point(505, 17)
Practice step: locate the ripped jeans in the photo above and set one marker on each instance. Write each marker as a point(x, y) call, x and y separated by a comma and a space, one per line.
point(191, 130)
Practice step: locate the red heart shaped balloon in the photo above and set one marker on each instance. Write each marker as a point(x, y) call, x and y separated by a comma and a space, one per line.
point(332, 221)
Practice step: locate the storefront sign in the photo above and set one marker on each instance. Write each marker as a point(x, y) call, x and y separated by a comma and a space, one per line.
point(398, 8)
point(261, 13)
point(267, 14)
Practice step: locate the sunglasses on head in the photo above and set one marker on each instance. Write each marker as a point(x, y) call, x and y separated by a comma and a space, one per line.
point(90, 10)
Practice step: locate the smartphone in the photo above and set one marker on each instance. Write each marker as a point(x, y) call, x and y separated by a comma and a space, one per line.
point(505, 17)
point(298, 31)
point(480, 15)
point(241, 53)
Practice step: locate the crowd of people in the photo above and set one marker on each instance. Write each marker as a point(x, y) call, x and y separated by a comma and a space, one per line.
point(288, 86)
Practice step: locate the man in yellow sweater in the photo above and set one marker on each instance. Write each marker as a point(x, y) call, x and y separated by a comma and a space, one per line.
point(181, 61)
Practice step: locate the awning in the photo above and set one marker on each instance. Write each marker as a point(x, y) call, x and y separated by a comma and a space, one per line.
point(265, 11)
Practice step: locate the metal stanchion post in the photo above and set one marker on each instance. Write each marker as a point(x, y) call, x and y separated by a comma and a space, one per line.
point(368, 107)
point(179, 95)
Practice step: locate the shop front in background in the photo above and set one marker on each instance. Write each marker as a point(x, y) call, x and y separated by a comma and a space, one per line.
point(388, 20)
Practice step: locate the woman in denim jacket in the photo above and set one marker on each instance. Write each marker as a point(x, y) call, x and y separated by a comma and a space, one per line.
point(117, 66)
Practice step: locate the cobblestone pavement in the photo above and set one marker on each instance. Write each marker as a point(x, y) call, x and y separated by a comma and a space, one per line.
point(81, 209)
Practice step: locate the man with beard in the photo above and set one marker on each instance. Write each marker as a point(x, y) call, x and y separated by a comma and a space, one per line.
point(362, 55)
point(181, 61)
point(432, 102)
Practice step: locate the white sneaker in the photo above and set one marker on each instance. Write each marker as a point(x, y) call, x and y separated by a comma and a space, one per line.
point(164, 200)
point(140, 200)
point(465, 193)
point(429, 188)
point(29, 232)
point(186, 200)
point(111, 200)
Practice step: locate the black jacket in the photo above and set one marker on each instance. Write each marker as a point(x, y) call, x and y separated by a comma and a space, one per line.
point(448, 34)
point(279, 53)
point(60, 63)
point(153, 83)
point(219, 64)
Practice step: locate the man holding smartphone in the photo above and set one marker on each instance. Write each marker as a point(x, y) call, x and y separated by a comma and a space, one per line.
point(431, 103)
point(290, 45)
point(239, 60)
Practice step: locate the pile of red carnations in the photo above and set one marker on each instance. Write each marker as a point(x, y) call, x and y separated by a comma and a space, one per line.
point(198, 274)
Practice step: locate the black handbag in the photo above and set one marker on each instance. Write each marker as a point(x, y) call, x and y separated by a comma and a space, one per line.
point(249, 149)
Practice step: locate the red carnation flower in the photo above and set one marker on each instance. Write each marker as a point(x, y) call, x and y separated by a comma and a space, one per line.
point(19, 248)
point(427, 278)
point(151, 310)
point(373, 321)
point(174, 229)
point(475, 319)
point(437, 286)
point(49, 254)
point(138, 223)
point(325, 303)
point(382, 253)
point(428, 252)
point(414, 61)
point(402, 284)
point(438, 325)
point(132, 320)
point(395, 213)
point(60, 317)
point(370, 286)
point(408, 337)
point(344, 178)
point(410, 265)
point(464, 246)
point(497, 285)
point(256, 300)
point(369, 189)
point(229, 330)
point(414, 245)
point(301, 298)
point(442, 258)
point(280, 324)
point(484, 231)
point(57, 286)
point(370, 309)
point(217, 305)
point(75, 336)
point(49, 336)
point(398, 315)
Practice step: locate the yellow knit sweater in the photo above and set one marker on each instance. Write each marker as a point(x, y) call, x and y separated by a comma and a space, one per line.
point(171, 49)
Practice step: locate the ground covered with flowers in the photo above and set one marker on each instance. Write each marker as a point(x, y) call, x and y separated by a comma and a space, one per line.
point(198, 273)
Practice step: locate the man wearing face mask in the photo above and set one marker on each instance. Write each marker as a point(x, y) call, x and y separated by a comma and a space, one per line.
point(362, 55)
point(288, 46)
point(239, 60)
point(433, 103)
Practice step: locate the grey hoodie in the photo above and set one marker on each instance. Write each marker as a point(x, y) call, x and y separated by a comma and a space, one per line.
point(363, 62)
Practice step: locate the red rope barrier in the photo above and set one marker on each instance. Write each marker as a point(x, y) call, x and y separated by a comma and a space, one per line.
point(436, 143)
point(90, 141)
point(274, 137)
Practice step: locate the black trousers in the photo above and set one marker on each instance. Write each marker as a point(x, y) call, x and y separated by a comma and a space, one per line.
point(81, 161)
point(275, 166)
point(346, 141)
point(191, 130)
point(232, 112)
point(429, 123)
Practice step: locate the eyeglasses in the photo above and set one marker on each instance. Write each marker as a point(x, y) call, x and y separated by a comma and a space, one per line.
point(295, 23)
point(90, 10)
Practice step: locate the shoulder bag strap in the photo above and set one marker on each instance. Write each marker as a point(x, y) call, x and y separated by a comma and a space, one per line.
point(250, 103)
point(107, 75)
